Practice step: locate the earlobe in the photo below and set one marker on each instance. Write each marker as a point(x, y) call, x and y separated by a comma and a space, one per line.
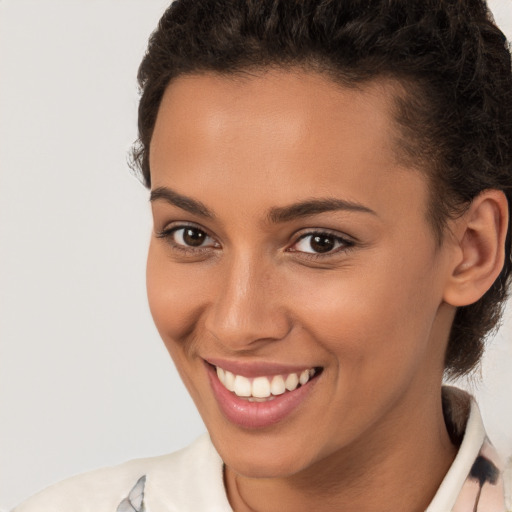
point(480, 237)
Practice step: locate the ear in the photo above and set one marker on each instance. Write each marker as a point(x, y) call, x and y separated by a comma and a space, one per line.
point(480, 248)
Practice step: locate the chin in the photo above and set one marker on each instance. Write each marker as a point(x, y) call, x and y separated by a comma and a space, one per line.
point(265, 456)
point(271, 467)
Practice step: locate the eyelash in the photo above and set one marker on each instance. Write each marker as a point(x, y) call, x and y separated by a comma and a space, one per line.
point(343, 244)
point(168, 234)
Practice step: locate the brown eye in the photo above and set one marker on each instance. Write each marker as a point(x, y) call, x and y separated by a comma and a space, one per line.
point(320, 243)
point(191, 237)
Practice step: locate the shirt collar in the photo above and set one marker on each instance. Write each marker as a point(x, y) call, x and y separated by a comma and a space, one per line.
point(475, 479)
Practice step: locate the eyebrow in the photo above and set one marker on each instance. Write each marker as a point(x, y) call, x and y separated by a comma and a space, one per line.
point(313, 207)
point(185, 203)
point(276, 215)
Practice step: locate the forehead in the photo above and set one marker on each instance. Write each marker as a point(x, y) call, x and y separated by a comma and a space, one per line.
point(291, 104)
point(286, 132)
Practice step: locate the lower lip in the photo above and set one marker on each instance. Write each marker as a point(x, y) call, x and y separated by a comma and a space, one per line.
point(254, 415)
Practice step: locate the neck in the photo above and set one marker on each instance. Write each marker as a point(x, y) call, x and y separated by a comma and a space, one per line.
point(399, 466)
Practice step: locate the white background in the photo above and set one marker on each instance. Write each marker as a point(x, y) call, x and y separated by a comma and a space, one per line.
point(84, 379)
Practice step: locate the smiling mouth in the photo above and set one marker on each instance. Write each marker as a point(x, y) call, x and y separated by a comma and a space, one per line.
point(265, 388)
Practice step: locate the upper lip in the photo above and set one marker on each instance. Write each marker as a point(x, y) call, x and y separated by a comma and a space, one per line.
point(257, 368)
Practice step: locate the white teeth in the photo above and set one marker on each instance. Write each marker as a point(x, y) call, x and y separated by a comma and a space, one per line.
point(304, 377)
point(292, 381)
point(277, 386)
point(260, 387)
point(242, 386)
point(229, 381)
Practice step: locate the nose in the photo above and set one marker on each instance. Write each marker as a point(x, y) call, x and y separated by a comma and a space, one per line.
point(247, 309)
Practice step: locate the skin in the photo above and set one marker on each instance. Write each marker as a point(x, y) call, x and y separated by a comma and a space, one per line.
point(372, 312)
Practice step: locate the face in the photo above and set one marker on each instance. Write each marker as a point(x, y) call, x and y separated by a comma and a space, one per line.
point(292, 272)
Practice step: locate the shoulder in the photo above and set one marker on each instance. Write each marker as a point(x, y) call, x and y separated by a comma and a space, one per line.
point(95, 490)
point(179, 481)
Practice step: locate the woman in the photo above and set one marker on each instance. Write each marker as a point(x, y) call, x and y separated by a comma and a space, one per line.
point(330, 187)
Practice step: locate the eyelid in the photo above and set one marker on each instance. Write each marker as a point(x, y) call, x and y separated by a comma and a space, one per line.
point(345, 242)
point(170, 229)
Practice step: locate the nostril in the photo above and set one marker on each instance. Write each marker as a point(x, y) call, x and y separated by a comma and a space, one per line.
point(246, 333)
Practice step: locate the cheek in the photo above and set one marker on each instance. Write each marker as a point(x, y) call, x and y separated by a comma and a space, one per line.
point(176, 294)
point(379, 314)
